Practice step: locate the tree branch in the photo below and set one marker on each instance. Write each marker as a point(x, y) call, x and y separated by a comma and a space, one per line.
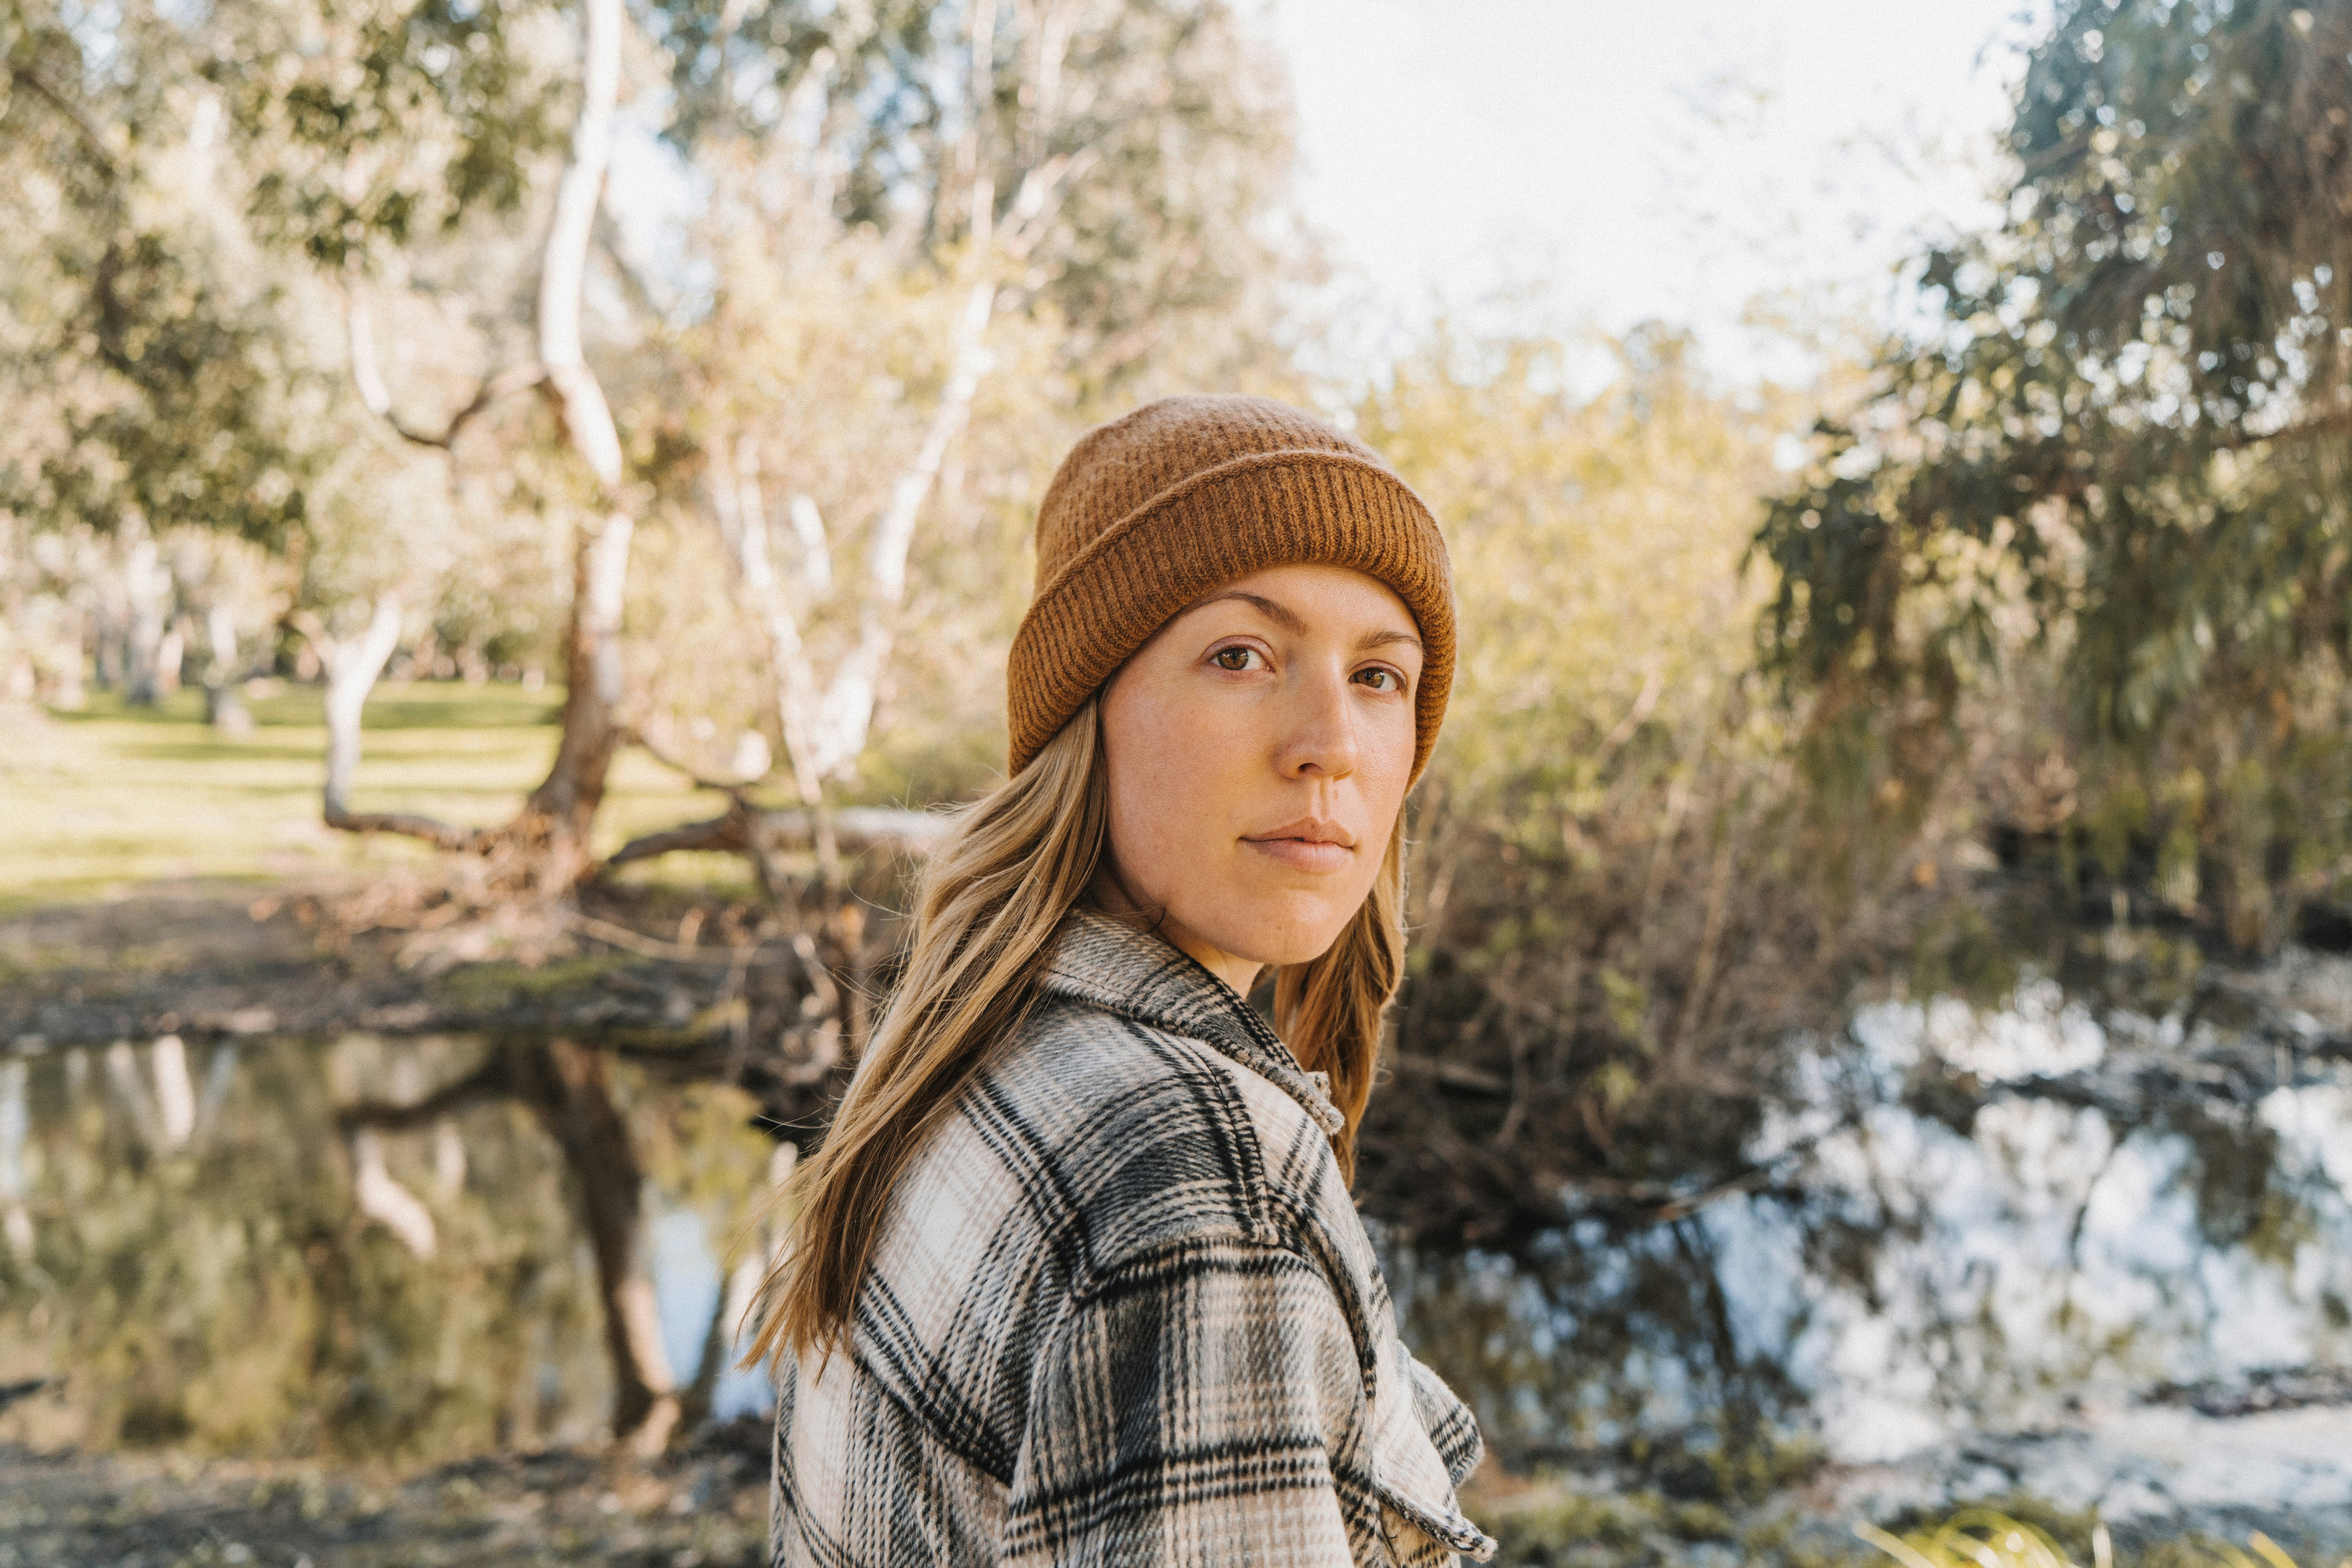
point(2321, 424)
point(31, 81)
point(408, 825)
point(488, 1082)
point(856, 828)
point(1043, 190)
point(743, 511)
point(367, 377)
point(645, 946)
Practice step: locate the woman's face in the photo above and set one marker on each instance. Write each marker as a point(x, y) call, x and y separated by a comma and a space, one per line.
point(1259, 747)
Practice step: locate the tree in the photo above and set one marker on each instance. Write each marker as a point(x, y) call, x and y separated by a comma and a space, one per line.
point(2120, 454)
point(148, 374)
point(1617, 929)
point(893, 221)
point(395, 123)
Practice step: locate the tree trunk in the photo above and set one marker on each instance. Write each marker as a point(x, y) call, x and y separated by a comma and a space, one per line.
point(352, 671)
point(547, 847)
point(569, 1088)
point(743, 511)
point(562, 809)
point(144, 583)
point(846, 717)
point(225, 707)
point(16, 1220)
point(572, 1092)
point(171, 653)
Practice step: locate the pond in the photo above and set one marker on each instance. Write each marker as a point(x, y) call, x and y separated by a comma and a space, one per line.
point(195, 1249)
point(2118, 1275)
point(2115, 1271)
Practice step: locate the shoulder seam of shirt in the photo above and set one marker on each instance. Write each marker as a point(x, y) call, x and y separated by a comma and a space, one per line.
point(1251, 1177)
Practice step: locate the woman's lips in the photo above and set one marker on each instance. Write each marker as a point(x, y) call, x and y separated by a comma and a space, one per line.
point(1303, 854)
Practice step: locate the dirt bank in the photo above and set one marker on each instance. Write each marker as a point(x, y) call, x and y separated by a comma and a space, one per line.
point(210, 959)
point(705, 1508)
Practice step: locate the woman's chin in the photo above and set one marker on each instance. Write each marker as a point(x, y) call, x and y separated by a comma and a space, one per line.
point(1280, 935)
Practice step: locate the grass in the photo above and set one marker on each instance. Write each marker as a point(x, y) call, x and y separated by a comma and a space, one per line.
point(1988, 1538)
point(1546, 1526)
point(109, 796)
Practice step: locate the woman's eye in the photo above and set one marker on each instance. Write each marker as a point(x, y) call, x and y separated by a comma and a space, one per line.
point(1380, 679)
point(1235, 658)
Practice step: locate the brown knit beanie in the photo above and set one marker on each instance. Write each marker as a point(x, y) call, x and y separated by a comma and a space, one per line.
point(1153, 512)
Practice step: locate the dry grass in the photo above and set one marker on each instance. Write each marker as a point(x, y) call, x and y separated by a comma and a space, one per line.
point(110, 797)
point(1987, 1538)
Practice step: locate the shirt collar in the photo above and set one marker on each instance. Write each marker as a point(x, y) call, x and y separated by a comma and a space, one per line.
point(1103, 960)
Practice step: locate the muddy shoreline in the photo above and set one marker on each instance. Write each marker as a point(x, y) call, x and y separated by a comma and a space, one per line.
point(702, 1507)
point(208, 960)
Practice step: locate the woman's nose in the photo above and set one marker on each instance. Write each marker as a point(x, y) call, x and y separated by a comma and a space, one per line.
point(1320, 735)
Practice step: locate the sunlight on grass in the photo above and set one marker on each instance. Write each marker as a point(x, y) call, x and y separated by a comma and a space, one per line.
point(107, 796)
point(1986, 1538)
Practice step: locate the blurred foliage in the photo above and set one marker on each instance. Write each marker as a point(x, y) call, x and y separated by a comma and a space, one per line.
point(1181, 119)
point(370, 125)
point(171, 377)
point(2085, 542)
point(252, 199)
point(1107, 142)
point(1619, 924)
point(144, 383)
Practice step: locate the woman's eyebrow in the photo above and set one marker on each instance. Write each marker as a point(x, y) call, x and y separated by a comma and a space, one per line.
point(1281, 614)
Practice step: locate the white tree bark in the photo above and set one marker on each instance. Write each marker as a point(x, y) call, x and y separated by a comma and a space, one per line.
point(382, 1198)
point(846, 716)
point(579, 397)
point(448, 1159)
point(145, 585)
point(816, 554)
point(175, 1092)
point(353, 666)
point(130, 1091)
point(15, 1125)
point(566, 802)
point(743, 515)
point(225, 707)
point(827, 724)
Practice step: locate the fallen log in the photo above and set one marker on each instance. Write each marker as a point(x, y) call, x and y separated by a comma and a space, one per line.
point(859, 829)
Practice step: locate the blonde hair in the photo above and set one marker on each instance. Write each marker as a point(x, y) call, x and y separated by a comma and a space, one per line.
point(993, 894)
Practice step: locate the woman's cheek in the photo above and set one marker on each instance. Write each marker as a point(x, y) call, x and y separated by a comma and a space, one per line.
point(1170, 762)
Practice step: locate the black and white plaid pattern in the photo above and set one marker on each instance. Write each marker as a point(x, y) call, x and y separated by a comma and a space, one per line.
point(1124, 1313)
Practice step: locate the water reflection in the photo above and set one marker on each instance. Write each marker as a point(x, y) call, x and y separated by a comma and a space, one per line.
point(1961, 1222)
point(194, 1250)
point(1986, 1222)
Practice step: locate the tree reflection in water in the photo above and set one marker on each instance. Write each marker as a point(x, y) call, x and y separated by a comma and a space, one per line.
point(1983, 1221)
point(227, 1291)
point(2104, 1215)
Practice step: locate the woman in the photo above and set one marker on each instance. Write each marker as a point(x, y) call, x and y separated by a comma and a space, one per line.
point(1075, 1278)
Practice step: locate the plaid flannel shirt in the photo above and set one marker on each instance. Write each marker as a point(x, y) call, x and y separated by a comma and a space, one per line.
point(1123, 1312)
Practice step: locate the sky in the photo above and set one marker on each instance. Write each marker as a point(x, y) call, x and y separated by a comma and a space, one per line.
point(1616, 163)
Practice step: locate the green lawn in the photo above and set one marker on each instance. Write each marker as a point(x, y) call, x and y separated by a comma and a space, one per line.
point(108, 797)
